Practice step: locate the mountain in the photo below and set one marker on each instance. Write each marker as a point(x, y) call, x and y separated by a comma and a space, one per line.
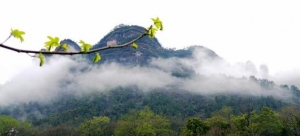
point(73, 46)
point(148, 49)
point(188, 92)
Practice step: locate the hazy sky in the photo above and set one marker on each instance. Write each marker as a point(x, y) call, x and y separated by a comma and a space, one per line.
point(263, 31)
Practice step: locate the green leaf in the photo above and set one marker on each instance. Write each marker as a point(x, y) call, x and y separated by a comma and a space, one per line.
point(82, 42)
point(134, 45)
point(85, 47)
point(17, 34)
point(41, 56)
point(65, 47)
point(152, 32)
point(52, 42)
point(158, 24)
point(97, 58)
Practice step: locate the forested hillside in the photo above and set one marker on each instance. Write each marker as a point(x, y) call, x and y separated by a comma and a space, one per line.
point(149, 91)
point(123, 111)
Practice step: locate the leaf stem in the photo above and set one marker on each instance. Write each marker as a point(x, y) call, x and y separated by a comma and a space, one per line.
point(6, 38)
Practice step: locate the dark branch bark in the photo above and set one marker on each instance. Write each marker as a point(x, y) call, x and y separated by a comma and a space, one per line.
point(79, 52)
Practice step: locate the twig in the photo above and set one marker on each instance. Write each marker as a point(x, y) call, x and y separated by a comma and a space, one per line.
point(74, 53)
point(31, 55)
point(6, 39)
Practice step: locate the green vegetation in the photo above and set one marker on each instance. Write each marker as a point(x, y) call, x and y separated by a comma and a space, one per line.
point(96, 126)
point(129, 111)
point(146, 122)
point(194, 127)
point(143, 122)
point(12, 126)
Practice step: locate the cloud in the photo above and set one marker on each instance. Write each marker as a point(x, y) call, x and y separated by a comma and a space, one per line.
point(204, 63)
point(113, 75)
point(291, 77)
point(210, 75)
point(215, 75)
point(36, 83)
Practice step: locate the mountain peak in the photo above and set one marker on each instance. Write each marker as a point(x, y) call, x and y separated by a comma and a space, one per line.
point(125, 33)
point(148, 48)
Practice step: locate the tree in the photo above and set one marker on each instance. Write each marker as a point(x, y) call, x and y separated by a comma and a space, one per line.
point(195, 127)
point(289, 117)
point(143, 122)
point(60, 130)
point(226, 112)
point(265, 123)
point(8, 125)
point(219, 126)
point(219, 123)
point(54, 42)
point(95, 126)
point(11, 126)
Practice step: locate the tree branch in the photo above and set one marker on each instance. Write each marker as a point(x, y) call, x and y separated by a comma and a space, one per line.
point(79, 52)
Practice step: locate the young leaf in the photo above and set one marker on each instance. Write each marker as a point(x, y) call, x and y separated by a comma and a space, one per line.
point(18, 34)
point(134, 45)
point(158, 24)
point(152, 32)
point(85, 47)
point(97, 58)
point(52, 42)
point(82, 42)
point(65, 47)
point(41, 59)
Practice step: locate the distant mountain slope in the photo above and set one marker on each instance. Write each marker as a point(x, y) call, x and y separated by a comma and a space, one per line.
point(73, 46)
point(148, 47)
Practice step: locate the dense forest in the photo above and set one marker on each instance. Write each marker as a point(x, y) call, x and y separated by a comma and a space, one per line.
point(172, 109)
point(129, 111)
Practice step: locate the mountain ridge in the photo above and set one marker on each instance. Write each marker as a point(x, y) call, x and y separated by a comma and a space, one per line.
point(148, 47)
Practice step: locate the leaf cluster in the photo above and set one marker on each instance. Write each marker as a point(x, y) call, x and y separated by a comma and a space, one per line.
point(54, 42)
point(17, 34)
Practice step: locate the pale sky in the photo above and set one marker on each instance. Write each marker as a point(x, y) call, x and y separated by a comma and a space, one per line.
point(262, 31)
